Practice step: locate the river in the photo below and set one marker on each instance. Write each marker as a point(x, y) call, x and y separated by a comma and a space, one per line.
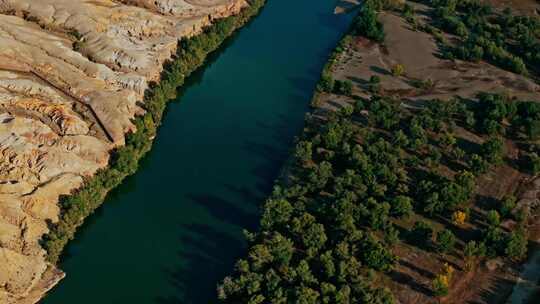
point(169, 233)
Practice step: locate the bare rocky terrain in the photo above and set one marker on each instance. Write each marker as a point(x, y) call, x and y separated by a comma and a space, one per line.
point(72, 73)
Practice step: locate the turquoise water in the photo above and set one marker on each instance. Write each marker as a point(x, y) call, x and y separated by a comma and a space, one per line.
point(169, 233)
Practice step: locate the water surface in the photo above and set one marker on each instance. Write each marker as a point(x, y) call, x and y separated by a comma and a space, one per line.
point(169, 233)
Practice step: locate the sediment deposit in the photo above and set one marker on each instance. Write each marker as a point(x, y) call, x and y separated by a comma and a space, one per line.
point(72, 77)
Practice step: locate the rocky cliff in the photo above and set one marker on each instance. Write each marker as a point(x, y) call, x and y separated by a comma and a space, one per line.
point(72, 75)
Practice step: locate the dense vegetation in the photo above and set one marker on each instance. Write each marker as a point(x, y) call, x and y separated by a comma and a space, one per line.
point(124, 160)
point(329, 229)
point(331, 224)
point(503, 39)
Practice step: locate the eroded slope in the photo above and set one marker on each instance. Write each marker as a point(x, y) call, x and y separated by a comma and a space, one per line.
point(71, 75)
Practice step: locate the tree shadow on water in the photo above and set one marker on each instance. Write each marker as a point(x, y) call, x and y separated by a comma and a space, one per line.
point(207, 256)
point(225, 210)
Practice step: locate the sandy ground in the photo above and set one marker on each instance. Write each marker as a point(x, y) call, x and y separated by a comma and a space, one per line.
point(418, 53)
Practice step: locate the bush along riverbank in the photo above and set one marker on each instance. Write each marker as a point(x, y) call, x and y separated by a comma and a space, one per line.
point(304, 252)
point(191, 55)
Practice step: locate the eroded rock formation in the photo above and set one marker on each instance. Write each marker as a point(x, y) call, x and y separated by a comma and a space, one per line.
point(71, 74)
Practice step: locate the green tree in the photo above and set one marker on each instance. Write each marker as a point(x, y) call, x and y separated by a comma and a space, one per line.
point(276, 212)
point(401, 205)
point(477, 164)
point(367, 24)
point(446, 241)
point(507, 204)
point(305, 295)
point(326, 84)
point(304, 151)
point(493, 218)
point(343, 87)
point(516, 244)
point(493, 149)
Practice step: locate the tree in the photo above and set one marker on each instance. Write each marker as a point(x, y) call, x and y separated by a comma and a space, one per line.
point(447, 140)
point(458, 153)
point(459, 217)
point(343, 87)
point(446, 241)
point(320, 175)
point(493, 218)
point(507, 204)
point(516, 244)
point(440, 285)
point(401, 205)
point(469, 119)
point(534, 163)
point(282, 249)
point(304, 273)
point(375, 255)
point(304, 151)
point(492, 150)
point(378, 217)
point(366, 24)
point(391, 235)
point(400, 139)
point(398, 70)
point(477, 164)
point(306, 295)
point(326, 84)
point(374, 79)
point(470, 252)
point(276, 212)
point(259, 256)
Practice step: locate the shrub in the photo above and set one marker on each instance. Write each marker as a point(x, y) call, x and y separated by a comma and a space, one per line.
point(398, 70)
point(446, 240)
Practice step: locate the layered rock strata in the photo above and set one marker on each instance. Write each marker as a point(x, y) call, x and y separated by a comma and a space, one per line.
point(72, 74)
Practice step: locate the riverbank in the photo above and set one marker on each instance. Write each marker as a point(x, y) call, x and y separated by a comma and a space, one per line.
point(174, 229)
point(370, 88)
point(190, 56)
point(370, 69)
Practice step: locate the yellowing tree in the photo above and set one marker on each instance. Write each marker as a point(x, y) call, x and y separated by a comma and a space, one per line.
point(459, 217)
point(398, 70)
point(441, 283)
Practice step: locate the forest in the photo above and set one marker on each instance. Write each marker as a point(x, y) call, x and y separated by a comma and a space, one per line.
point(380, 172)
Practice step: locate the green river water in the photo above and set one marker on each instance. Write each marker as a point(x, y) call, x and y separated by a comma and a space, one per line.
point(169, 233)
